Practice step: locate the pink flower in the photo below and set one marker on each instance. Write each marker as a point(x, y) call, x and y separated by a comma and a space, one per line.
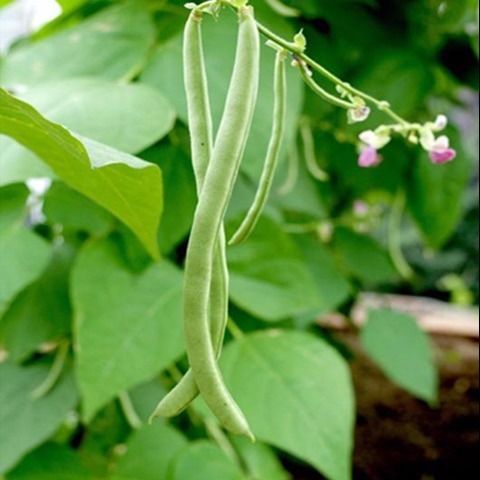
point(439, 157)
point(440, 151)
point(369, 157)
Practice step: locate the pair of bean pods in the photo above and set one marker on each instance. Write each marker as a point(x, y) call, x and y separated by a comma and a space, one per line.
point(216, 165)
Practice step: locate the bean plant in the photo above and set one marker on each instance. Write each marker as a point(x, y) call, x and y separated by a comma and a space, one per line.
point(186, 192)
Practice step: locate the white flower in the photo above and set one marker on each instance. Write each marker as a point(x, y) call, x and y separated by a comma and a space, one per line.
point(441, 143)
point(427, 139)
point(376, 139)
point(440, 123)
point(358, 114)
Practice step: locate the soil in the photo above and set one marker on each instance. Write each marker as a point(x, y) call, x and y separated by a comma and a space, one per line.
point(401, 438)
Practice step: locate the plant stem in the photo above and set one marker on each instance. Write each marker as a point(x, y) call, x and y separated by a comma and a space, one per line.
point(338, 102)
point(221, 439)
point(309, 152)
point(394, 242)
point(380, 104)
point(129, 410)
point(235, 330)
point(55, 371)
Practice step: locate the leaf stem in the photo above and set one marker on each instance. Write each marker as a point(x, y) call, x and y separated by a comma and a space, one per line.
point(394, 242)
point(308, 141)
point(55, 371)
point(235, 330)
point(129, 411)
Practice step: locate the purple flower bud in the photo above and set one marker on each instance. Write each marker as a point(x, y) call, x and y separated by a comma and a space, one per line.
point(369, 157)
point(441, 156)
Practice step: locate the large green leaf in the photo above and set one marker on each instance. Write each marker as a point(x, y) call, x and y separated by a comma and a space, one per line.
point(149, 453)
point(128, 327)
point(296, 392)
point(165, 73)
point(435, 195)
point(27, 422)
point(111, 44)
point(204, 461)
point(41, 312)
point(403, 351)
point(129, 118)
point(51, 462)
point(126, 186)
point(269, 277)
point(24, 254)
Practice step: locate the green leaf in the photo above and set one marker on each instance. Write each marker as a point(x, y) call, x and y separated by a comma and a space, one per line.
point(128, 187)
point(42, 311)
point(112, 44)
point(204, 461)
point(74, 212)
point(128, 327)
point(435, 195)
point(296, 392)
point(269, 277)
point(150, 451)
point(26, 422)
point(260, 460)
point(24, 254)
point(165, 73)
point(129, 118)
point(51, 461)
point(363, 257)
point(403, 351)
point(180, 194)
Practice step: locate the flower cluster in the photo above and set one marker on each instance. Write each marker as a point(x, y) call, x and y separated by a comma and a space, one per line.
point(438, 148)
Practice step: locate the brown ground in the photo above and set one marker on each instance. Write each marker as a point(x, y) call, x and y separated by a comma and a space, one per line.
point(401, 438)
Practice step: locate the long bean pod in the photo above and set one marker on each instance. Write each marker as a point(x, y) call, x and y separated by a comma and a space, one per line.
point(213, 202)
point(273, 153)
point(201, 135)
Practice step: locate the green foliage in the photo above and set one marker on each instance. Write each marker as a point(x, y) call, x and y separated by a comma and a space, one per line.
point(51, 461)
point(364, 258)
point(150, 452)
point(28, 254)
point(41, 312)
point(204, 460)
point(296, 392)
point(111, 44)
point(436, 197)
point(115, 180)
point(126, 117)
point(120, 321)
point(270, 279)
point(26, 421)
point(402, 350)
point(104, 82)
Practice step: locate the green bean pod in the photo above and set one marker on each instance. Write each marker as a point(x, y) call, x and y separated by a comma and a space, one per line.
point(201, 134)
point(209, 215)
point(273, 153)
